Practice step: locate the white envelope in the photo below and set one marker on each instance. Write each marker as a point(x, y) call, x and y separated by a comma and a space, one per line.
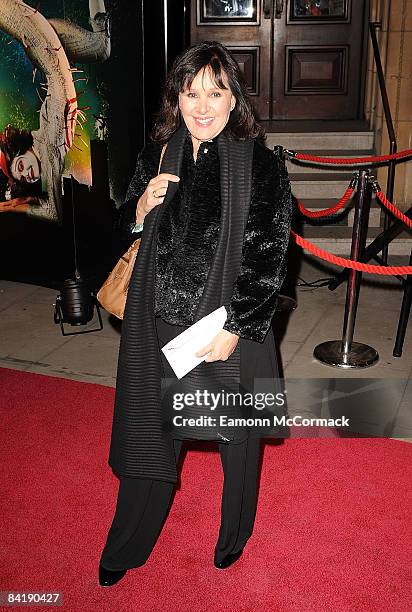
point(180, 352)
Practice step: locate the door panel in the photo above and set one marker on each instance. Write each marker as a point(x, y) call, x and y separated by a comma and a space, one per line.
point(302, 59)
point(316, 48)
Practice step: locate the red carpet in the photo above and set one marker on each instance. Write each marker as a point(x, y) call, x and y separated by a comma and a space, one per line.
point(333, 526)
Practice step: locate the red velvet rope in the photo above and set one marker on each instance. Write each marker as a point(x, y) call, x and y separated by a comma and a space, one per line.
point(351, 160)
point(342, 261)
point(346, 196)
point(393, 209)
point(327, 211)
point(349, 263)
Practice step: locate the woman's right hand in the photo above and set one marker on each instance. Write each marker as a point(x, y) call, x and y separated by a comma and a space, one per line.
point(147, 200)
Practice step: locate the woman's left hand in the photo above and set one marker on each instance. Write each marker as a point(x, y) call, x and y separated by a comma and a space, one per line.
point(221, 347)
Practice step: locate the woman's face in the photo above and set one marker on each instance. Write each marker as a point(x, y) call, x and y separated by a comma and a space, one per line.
point(25, 168)
point(205, 108)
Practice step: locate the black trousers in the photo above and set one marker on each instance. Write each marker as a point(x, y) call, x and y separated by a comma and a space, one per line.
point(143, 504)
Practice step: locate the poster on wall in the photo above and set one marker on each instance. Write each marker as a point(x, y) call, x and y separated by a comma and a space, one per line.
point(52, 103)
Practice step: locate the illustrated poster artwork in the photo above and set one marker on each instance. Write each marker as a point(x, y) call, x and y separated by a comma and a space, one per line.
point(233, 12)
point(228, 8)
point(32, 161)
point(319, 8)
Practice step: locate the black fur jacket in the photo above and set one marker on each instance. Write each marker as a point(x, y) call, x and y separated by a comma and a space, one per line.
point(188, 235)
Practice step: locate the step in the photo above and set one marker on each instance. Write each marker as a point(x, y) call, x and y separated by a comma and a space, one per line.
point(304, 167)
point(343, 141)
point(316, 125)
point(338, 239)
point(316, 185)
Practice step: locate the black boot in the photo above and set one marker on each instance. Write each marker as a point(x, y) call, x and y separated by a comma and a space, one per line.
point(228, 560)
point(109, 577)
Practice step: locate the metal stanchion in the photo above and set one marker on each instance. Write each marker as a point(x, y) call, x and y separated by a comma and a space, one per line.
point(345, 353)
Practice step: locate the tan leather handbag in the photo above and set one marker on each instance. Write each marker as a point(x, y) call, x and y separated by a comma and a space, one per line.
point(113, 293)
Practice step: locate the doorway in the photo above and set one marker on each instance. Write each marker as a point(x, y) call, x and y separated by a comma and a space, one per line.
point(302, 59)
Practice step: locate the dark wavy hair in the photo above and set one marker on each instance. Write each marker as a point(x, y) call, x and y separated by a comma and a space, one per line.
point(242, 123)
point(14, 141)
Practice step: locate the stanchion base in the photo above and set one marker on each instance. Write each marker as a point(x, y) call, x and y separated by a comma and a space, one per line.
point(360, 355)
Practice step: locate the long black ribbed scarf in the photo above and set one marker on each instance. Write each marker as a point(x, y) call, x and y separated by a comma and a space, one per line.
point(139, 446)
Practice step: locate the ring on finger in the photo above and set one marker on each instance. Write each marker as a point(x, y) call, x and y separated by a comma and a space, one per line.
point(154, 194)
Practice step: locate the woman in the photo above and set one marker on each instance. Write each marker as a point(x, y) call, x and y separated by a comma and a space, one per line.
point(215, 226)
point(36, 159)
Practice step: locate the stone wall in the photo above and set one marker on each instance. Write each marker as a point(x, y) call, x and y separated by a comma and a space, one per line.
point(395, 40)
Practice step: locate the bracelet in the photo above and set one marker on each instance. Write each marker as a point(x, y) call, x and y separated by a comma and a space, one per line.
point(138, 227)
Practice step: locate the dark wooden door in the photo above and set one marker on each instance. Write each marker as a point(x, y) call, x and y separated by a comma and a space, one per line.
point(303, 59)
